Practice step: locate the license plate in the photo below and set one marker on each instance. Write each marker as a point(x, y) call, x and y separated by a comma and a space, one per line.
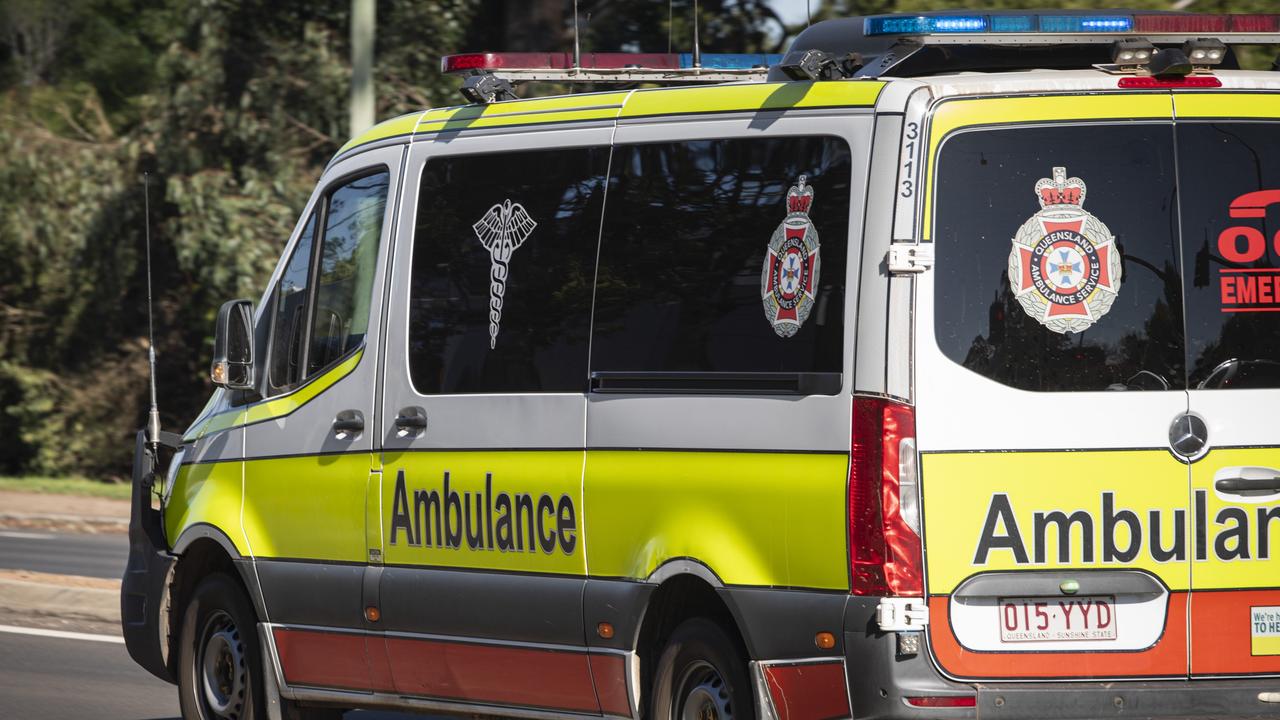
point(1038, 619)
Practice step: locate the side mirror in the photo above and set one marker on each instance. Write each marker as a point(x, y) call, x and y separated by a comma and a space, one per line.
point(233, 346)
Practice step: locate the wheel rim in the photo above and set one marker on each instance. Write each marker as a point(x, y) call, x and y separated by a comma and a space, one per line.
point(223, 670)
point(704, 695)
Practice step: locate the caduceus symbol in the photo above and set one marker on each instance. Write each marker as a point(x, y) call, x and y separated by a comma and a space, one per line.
point(503, 229)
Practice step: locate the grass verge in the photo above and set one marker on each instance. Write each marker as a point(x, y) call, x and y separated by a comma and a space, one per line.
point(66, 486)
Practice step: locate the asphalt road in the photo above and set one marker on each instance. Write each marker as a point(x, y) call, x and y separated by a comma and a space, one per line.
point(52, 678)
point(101, 556)
point(45, 678)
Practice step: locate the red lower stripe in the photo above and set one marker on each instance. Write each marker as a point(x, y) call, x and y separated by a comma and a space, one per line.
point(494, 674)
point(610, 674)
point(321, 659)
point(810, 691)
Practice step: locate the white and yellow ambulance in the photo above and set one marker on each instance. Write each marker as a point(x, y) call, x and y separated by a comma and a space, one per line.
point(934, 375)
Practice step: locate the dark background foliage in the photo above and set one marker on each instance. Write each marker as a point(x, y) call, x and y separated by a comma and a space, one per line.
point(232, 107)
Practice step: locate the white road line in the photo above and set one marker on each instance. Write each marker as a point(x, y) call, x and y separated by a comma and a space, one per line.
point(60, 634)
point(25, 536)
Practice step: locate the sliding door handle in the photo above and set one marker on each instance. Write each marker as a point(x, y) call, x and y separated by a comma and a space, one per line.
point(1247, 481)
point(411, 421)
point(348, 422)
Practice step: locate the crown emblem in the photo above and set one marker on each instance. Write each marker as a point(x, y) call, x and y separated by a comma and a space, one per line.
point(799, 197)
point(1060, 190)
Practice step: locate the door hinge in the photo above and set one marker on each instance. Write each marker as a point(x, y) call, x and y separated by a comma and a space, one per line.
point(898, 614)
point(909, 259)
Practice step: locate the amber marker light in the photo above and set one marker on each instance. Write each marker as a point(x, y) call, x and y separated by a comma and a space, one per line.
point(824, 640)
point(372, 614)
point(604, 630)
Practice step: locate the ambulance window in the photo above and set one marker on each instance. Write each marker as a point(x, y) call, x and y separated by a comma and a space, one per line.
point(348, 257)
point(503, 258)
point(1229, 181)
point(724, 256)
point(290, 316)
point(1031, 290)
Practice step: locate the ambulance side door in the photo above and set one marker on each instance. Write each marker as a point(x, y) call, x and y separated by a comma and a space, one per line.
point(309, 443)
point(483, 423)
point(1229, 186)
point(1049, 349)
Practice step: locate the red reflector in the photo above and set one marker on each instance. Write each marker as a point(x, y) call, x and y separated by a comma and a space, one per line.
point(1155, 83)
point(884, 552)
point(558, 61)
point(1206, 23)
point(1180, 23)
point(941, 701)
point(1255, 23)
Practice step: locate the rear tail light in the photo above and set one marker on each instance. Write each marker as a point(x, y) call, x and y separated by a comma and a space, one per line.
point(884, 500)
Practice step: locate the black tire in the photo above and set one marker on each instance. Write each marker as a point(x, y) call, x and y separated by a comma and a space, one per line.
point(701, 676)
point(219, 658)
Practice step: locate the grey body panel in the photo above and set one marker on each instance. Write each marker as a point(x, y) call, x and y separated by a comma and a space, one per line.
point(513, 607)
point(312, 593)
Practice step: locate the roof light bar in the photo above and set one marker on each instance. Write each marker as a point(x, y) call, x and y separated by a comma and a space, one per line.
point(1261, 28)
point(614, 67)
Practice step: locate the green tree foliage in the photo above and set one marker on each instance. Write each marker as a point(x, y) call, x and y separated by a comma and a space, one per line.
point(233, 107)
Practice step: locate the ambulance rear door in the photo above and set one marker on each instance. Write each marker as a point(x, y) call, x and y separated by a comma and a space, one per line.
point(1049, 369)
point(1229, 190)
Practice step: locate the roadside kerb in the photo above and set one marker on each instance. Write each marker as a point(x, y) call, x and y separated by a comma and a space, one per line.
point(66, 597)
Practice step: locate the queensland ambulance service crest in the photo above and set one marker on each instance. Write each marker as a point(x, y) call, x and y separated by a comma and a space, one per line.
point(1064, 267)
point(789, 281)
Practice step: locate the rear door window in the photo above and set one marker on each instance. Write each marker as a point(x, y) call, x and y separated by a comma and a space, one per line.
point(503, 260)
point(1057, 257)
point(1230, 186)
point(724, 256)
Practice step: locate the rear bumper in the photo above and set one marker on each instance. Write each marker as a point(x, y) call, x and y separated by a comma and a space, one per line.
point(1166, 699)
point(880, 681)
point(143, 590)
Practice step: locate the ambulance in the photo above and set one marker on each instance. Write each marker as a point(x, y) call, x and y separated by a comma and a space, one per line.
point(930, 370)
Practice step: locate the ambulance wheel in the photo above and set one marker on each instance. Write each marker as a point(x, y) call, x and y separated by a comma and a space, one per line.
point(701, 676)
point(219, 660)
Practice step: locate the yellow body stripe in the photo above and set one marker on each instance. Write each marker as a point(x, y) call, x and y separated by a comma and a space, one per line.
point(1257, 568)
point(307, 507)
point(753, 97)
point(402, 125)
point(961, 489)
point(956, 114)
point(206, 493)
point(775, 519)
point(277, 406)
point(1229, 105)
point(554, 473)
point(745, 97)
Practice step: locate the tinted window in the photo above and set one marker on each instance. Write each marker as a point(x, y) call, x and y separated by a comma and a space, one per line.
point(706, 265)
point(1230, 183)
point(503, 259)
point(290, 317)
point(1031, 291)
point(348, 258)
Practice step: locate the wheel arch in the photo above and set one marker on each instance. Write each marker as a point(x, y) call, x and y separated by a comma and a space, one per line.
point(686, 588)
point(201, 550)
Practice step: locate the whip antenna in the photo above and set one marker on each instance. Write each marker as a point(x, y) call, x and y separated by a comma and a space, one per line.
point(153, 417)
point(577, 49)
point(697, 46)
